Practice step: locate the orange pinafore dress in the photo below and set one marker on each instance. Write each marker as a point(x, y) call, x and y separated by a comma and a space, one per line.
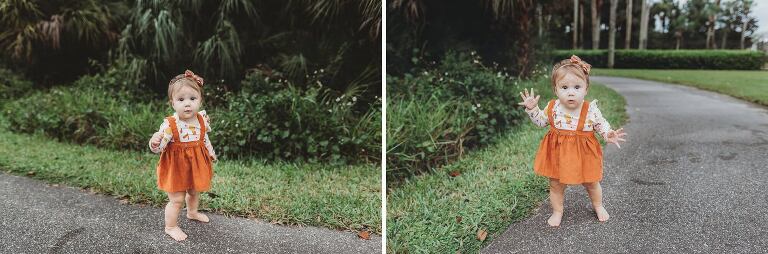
point(187, 165)
point(571, 156)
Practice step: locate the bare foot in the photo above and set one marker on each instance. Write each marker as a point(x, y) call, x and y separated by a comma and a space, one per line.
point(602, 214)
point(176, 233)
point(555, 219)
point(198, 217)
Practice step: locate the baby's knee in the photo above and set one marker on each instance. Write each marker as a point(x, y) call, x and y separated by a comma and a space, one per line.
point(591, 186)
point(178, 204)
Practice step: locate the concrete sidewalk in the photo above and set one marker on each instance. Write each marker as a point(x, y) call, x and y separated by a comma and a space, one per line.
point(690, 179)
point(38, 218)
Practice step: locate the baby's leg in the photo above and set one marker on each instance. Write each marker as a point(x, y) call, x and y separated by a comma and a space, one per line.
point(176, 201)
point(193, 201)
point(596, 195)
point(556, 199)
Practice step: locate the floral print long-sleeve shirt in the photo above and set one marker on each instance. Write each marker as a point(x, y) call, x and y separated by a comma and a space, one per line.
point(187, 133)
point(564, 121)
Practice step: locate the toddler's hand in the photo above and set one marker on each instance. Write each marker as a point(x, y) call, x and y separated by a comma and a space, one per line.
point(529, 100)
point(615, 136)
point(156, 138)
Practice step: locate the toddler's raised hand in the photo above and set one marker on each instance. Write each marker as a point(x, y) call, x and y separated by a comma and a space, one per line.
point(615, 136)
point(156, 138)
point(529, 100)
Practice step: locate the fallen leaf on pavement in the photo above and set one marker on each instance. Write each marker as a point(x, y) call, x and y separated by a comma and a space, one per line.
point(364, 234)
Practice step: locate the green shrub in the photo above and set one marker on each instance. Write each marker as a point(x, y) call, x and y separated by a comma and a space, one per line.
point(671, 59)
point(267, 118)
point(436, 113)
point(84, 114)
point(275, 119)
point(13, 86)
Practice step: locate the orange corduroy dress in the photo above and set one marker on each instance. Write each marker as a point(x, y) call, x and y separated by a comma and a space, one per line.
point(185, 166)
point(571, 156)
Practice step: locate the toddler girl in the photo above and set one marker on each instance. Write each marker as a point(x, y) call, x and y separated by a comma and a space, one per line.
point(185, 168)
point(569, 152)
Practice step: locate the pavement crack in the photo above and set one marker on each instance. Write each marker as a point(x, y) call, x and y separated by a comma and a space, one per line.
point(66, 238)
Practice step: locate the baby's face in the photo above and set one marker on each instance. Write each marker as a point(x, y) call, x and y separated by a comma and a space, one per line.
point(186, 102)
point(571, 90)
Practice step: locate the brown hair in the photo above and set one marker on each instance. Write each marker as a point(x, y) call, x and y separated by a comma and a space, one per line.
point(187, 79)
point(573, 65)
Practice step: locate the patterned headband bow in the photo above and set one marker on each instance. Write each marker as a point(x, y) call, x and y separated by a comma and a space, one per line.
point(198, 79)
point(584, 66)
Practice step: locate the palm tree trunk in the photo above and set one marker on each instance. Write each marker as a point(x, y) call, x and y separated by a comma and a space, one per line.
point(644, 12)
point(711, 29)
point(525, 51)
point(612, 34)
point(725, 38)
point(575, 22)
point(539, 21)
point(628, 35)
point(743, 29)
point(581, 25)
point(595, 24)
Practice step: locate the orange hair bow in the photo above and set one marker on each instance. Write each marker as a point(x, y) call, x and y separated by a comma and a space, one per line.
point(584, 66)
point(190, 74)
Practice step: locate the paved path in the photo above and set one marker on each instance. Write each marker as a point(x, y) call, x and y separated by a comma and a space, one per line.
point(691, 179)
point(38, 218)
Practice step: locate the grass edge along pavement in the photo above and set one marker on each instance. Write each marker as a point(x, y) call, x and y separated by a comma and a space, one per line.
point(751, 86)
point(344, 197)
point(495, 186)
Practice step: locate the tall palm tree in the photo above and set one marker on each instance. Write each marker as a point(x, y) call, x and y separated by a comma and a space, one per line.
point(628, 34)
point(612, 34)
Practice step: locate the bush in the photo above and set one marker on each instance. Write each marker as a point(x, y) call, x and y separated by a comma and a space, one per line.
point(84, 114)
point(13, 86)
point(671, 59)
point(434, 114)
point(275, 119)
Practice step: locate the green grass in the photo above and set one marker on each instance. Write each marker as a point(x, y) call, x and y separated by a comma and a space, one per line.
point(340, 197)
point(747, 85)
point(495, 188)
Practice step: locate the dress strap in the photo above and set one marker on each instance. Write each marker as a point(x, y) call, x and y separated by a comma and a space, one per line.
point(174, 129)
point(550, 116)
point(583, 115)
point(201, 121)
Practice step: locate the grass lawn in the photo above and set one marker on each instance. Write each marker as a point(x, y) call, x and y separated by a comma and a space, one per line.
point(340, 197)
point(747, 85)
point(496, 186)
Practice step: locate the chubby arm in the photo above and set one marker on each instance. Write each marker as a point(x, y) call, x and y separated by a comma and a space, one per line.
point(161, 138)
point(207, 140)
point(531, 104)
point(604, 128)
point(538, 116)
point(600, 124)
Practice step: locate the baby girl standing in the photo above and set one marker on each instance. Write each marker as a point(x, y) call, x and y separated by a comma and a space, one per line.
point(185, 167)
point(569, 153)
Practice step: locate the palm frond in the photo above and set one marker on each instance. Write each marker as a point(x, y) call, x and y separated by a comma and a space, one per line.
point(371, 11)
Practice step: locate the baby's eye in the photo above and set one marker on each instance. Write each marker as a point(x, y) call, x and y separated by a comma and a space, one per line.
point(577, 87)
point(181, 99)
point(193, 98)
point(565, 87)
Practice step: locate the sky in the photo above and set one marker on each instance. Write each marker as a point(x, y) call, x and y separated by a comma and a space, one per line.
point(761, 12)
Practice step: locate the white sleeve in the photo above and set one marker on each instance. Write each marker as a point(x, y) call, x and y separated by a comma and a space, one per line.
point(538, 116)
point(165, 128)
point(600, 124)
